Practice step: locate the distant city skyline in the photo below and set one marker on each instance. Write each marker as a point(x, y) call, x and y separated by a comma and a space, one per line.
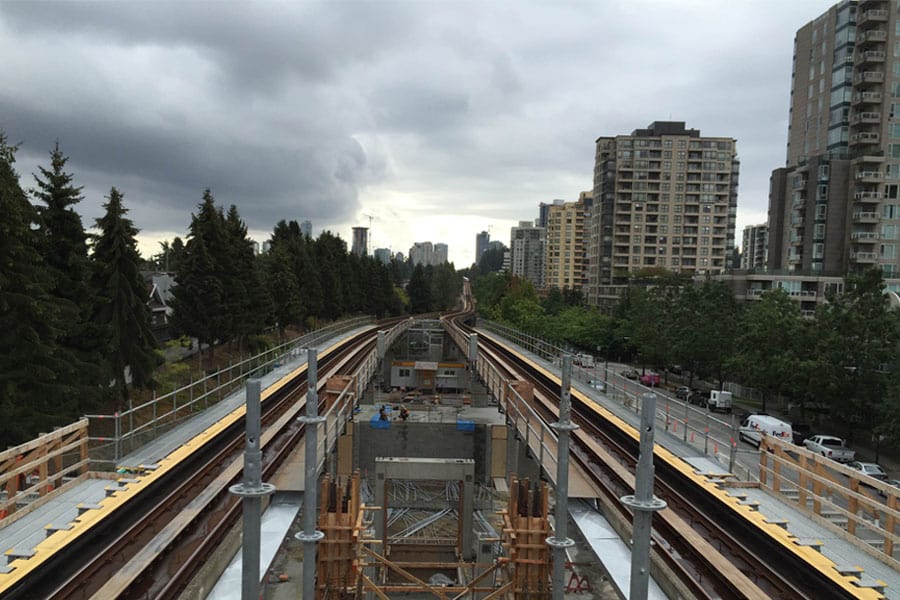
point(280, 112)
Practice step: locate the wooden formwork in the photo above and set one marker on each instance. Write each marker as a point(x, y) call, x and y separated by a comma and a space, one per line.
point(336, 554)
point(525, 533)
point(37, 467)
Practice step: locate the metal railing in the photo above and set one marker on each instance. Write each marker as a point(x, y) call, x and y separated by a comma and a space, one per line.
point(694, 425)
point(114, 435)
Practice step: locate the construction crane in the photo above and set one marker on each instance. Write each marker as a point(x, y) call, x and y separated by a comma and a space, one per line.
point(369, 237)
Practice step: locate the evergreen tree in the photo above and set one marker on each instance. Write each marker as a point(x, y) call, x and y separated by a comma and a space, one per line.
point(199, 306)
point(32, 396)
point(64, 248)
point(123, 305)
point(249, 302)
point(419, 291)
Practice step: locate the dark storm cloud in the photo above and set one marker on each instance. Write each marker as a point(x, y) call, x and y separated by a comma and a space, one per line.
point(458, 112)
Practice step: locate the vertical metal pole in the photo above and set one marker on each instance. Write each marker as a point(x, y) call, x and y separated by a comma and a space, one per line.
point(560, 541)
point(310, 536)
point(252, 490)
point(643, 503)
point(706, 436)
point(118, 435)
point(473, 359)
point(732, 452)
point(685, 420)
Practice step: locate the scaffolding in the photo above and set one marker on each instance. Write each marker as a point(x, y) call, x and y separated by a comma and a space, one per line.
point(525, 533)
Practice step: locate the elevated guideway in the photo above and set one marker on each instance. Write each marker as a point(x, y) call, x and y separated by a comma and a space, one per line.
point(843, 556)
point(65, 511)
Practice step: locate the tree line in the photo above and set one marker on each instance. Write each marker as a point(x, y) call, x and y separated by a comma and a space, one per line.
point(843, 359)
point(75, 327)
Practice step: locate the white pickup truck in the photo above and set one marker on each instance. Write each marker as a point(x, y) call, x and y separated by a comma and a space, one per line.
point(830, 447)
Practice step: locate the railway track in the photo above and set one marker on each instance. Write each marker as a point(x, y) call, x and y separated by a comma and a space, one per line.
point(153, 545)
point(711, 549)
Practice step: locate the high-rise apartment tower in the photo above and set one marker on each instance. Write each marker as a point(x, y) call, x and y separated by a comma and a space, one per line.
point(360, 245)
point(664, 197)
point(566, 230)
point(835, 207)
point(528, 248)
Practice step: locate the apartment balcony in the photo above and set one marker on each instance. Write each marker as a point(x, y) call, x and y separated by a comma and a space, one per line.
point(865, 217)
point(869, 176)
point(871, 36)
point(869, 57)
point(864, 257)
point(865, 117)
point(869, 77)
point(866, 98)
point(868, 158)
point(867, 196)
point(865, 137)
point(864, 237)
point(865, 5)
point(874, 15)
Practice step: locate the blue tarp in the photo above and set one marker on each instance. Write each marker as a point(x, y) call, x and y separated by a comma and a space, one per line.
point(376, 421)
point(463, 425)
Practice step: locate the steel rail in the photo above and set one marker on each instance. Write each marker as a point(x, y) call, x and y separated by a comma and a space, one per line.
point(78, 570)
point(778, 572)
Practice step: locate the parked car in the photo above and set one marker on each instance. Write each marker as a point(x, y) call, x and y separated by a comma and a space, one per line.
point(697, 397)
point(597, 384)
point(869, 468)
point(650, 379)
point(682, 392)
point(892, 482)
point(630, 374)
point(583, 360)
point(831, 447)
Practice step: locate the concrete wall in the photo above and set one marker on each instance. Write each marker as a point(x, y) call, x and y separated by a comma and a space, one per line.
point(423, 440)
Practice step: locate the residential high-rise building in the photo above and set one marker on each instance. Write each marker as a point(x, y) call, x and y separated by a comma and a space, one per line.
point(306, 229)
point(753, 246)
point(566, 264)
point(835, 206)
point(528, 249)
point(421, 253)
point(441, 254)
point(482, 240)
point(426, 253)
point(382, 255)
point(360, 241)
point(664, 197)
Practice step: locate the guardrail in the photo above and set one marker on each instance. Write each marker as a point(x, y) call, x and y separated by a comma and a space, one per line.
point(114, 435)
point(693, 424)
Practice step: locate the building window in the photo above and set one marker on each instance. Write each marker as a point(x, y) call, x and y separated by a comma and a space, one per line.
point(403, 372)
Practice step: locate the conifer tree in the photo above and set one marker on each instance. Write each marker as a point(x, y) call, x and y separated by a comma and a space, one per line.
point(123, 299)
point(199, 300)
point(63, 244)
point(250, 302)
point(33, 398)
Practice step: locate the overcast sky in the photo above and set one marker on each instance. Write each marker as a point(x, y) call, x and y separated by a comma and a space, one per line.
point(437, 119)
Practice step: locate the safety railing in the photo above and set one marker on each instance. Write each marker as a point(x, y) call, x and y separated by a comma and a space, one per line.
point(715, 434)
point(114, 435)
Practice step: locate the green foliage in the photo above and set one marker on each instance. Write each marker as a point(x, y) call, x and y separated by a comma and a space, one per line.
point(63, 244)
point(419, 290)
point(123, 299)
point(34, 395)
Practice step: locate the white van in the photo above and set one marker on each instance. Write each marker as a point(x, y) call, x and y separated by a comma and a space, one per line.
point(754, 426)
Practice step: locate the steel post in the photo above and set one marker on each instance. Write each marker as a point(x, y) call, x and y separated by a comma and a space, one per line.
point(732, 452)
point(310, 536)
point(643, 503)
point(560, 540)
point(252, 490)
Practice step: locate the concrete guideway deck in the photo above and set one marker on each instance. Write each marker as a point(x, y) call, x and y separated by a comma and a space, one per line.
point(61, 510)
point(844, 554)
